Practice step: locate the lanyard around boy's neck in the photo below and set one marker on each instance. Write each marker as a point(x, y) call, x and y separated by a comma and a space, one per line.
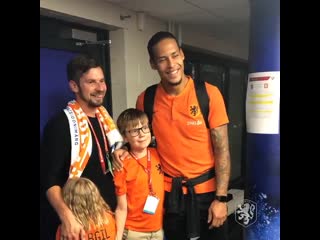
point(147, 170)
point(102, 162)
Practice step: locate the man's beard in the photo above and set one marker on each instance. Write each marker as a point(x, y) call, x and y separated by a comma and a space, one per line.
point(90, 102)
point(94, 104)
point(175, 83)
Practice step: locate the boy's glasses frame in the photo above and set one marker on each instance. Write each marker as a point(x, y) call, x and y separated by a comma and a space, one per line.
point(136, 131)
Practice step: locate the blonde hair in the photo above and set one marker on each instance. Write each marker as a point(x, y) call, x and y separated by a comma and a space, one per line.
point(130, 118)
point(85, 201)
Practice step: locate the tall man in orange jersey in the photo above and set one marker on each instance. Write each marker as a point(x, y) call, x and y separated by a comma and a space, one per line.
point(190, 153)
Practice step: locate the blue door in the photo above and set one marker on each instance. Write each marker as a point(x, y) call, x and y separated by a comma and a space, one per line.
point(54, 87)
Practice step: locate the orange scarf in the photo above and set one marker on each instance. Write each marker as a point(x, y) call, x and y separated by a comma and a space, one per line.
point(81, 139)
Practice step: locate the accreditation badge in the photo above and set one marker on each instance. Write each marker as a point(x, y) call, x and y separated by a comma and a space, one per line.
point(151, 204)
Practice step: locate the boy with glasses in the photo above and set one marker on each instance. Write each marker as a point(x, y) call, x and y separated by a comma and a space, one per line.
point(139, 185)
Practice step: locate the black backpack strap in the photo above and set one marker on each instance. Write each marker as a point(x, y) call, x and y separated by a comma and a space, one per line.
point(203, 99)
point(149, 101)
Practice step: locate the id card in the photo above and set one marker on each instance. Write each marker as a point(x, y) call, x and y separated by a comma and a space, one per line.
point(151, 204)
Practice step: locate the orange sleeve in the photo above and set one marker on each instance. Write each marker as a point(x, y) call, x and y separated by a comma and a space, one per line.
point(217, 113)
point(58, 233)
point(120, 182)
point(127, 174)
point(139, 103)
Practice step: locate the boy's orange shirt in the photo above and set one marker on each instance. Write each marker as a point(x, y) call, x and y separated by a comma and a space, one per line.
point(107, 231)
point(133, 181)
point(183, 141)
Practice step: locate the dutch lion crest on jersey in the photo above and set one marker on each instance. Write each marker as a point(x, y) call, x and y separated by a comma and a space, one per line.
point(194, 110)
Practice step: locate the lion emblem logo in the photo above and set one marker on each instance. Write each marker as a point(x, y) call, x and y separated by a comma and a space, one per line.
point(246, 213)
point(194, 110)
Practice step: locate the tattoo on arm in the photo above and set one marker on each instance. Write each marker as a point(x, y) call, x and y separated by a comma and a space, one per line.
point(220, 143)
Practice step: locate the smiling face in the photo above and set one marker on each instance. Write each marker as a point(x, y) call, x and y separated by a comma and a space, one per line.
point(168, 61)
point(139, 136)
point(90, 91)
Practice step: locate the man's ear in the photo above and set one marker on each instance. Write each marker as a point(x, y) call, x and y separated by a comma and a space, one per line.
point(125, 139)
point(181, 53)
point(73, 86)
point(152, 64)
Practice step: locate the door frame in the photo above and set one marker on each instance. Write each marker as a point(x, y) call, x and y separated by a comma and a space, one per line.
point(50, 37)
point(199, 56)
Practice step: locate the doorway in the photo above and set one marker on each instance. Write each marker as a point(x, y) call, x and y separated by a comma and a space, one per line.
point(59, 42)
point(230, 76)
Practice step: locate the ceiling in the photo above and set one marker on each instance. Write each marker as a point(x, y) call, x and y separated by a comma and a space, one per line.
point(221, 19)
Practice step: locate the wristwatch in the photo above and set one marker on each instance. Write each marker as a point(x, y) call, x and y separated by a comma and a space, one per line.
point(221, 198)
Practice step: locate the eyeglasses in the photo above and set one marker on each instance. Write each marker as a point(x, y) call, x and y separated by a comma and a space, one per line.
point(135, 132)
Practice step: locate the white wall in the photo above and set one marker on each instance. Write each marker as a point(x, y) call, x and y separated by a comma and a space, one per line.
point(130, 69)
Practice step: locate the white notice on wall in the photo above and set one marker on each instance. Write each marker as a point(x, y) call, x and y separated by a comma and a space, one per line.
point(263, 102)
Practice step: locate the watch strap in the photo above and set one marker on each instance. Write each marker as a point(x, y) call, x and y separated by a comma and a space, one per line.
point(224, 198)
